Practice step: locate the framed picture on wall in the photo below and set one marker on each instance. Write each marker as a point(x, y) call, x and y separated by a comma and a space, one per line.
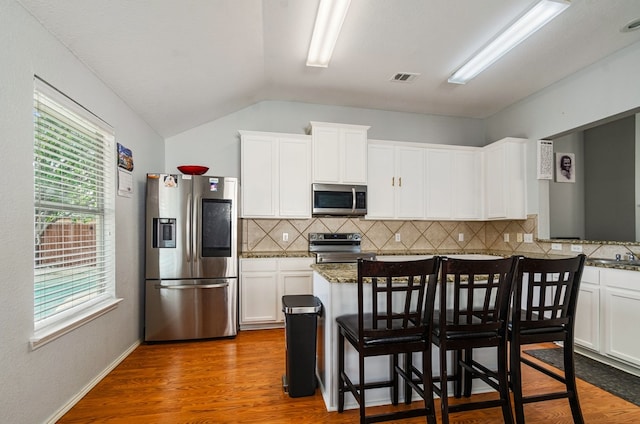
point(565, 168)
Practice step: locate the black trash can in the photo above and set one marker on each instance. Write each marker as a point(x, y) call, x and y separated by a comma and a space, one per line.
point(300, 318)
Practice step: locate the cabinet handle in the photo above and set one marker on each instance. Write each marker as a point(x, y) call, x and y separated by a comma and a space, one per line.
point(399, 181)
point(393, 181)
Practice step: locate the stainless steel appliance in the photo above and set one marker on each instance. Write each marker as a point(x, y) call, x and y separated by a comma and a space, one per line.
point(191, 277)
point(339, 199)
point(337, 247)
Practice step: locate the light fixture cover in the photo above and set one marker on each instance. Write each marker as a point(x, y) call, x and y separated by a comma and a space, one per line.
point(331, 14)
point(531, 21)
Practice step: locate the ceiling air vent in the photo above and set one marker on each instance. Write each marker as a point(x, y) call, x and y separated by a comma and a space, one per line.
point(404, 77)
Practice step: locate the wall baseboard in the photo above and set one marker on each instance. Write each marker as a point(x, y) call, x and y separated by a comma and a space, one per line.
point(75, 399)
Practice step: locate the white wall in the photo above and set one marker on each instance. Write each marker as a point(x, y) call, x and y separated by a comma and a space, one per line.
point(217, 144)
point(36, 384)
point(608, 87)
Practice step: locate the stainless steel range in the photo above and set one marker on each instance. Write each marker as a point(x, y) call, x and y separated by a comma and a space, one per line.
point(337, 247)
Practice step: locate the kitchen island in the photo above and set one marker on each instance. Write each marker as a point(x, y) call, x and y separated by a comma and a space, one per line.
point(335, 285)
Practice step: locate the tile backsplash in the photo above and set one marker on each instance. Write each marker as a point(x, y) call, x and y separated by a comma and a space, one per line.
point(266, 235)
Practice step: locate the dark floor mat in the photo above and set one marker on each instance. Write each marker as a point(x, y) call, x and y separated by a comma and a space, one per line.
point(613, 380)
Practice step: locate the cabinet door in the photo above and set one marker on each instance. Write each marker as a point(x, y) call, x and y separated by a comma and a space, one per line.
point(505, 186)
point(410, 182)
point(294, 178)
point(622, 313)
point(291, 282)
point(439, 175)
point(339, 153)
point(587, 326)
point(495, 183)
point(258, 298)
point(259, 169)
point(326, 155)
point(381, 186)
point(466, 185)
point(354, 155)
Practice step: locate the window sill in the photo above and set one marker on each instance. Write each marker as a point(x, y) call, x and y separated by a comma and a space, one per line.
point(52, 332)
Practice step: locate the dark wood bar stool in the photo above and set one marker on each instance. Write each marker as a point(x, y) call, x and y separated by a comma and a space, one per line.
point(397, 322)
point(473, 313)
point(544, 306)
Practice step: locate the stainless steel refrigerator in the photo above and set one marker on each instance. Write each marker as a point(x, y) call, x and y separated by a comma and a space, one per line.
point(191, 277)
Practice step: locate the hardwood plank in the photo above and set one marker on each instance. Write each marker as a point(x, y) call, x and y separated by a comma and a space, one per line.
point(240, 381)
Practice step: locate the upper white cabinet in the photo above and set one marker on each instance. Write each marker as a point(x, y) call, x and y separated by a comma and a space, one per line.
point(275, 175)
point(505, 183)
point(453, 183)
point(396, 180)
point(339, 153)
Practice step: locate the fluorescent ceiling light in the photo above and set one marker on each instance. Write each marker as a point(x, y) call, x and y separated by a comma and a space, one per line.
point(331, 14)
point(538, 16)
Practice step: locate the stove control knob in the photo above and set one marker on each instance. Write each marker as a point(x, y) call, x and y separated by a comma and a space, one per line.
point(357, 237)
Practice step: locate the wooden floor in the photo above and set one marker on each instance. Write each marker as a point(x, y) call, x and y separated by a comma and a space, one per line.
point(239, 381)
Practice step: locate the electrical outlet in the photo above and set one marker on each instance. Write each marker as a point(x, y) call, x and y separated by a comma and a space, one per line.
point(556, 246)
point(528, 238)
point(398, 238)
point(576, 248)
point(285, 236)
point(506, 237)
point(519, 237)
point(460, 236)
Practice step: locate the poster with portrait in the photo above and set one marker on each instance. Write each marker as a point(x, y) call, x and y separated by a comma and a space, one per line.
point(565, 168)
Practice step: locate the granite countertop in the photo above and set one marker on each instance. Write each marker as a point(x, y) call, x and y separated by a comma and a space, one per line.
point(282, 254)
point(338, 272)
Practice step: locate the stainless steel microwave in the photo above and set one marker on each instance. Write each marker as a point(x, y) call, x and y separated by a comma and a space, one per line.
point(339, 199)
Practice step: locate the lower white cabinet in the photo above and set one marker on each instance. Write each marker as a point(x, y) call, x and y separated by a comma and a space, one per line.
point(607, 315)
point(587, 326)
point(621, 300)
point(263, 282)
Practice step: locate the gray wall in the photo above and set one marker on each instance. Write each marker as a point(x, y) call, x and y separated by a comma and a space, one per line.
point(217, 143)
point(604, 89)
point(566, 200)
point(36, 384)
point(610, 205)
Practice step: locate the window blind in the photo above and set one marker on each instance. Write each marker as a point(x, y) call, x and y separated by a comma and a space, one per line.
point(73, 207)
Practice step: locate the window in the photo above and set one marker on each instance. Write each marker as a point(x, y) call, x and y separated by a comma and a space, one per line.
point(74, 214)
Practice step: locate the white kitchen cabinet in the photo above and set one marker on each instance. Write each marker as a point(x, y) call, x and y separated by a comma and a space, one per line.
point(258, 291)
point(587, 323)
point(505, 184)
point(275, 175)
point(453, 183)
point(621, 301)
point(263, 282)
point(396, 180)
point(339, 153)
point(295, 276)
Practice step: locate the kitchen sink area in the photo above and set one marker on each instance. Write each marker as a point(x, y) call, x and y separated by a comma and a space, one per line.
point(614, 261)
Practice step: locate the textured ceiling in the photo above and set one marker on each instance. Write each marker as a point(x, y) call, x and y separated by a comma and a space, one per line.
point(181, 63)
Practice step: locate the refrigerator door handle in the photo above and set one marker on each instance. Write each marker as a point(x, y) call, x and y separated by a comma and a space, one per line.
point(192, 286)
point(189, 230)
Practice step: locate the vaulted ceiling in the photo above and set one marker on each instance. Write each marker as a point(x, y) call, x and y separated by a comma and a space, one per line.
point(181, 63)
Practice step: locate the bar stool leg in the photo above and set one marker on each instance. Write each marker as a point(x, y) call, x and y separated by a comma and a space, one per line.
point(570, 381)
